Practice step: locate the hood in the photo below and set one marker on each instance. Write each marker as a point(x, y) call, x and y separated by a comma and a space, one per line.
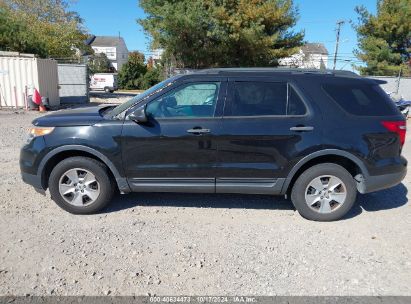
point(75, 117)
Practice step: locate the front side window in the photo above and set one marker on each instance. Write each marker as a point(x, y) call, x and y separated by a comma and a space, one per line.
point(251, 98)
point(146, 94)
point(187, 101)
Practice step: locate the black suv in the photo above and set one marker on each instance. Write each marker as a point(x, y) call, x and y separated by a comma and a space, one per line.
point(317, 136)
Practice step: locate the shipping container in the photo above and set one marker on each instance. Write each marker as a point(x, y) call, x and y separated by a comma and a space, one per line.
point(73, 83)
point(20, 75)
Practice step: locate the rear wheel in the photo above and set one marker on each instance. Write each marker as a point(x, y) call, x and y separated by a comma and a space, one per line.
point(324, 192)
point(81, 185)
point(107, 90)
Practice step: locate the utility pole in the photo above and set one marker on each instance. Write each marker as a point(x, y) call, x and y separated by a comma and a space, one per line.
point(339, 24)
point(398, 81)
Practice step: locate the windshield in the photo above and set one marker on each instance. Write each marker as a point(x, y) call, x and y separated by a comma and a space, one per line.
point(138, 98)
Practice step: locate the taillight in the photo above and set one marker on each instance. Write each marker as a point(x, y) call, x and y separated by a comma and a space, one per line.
point(399, 127)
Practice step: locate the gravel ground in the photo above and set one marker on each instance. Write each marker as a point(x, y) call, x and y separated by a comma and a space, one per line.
point(195, 244)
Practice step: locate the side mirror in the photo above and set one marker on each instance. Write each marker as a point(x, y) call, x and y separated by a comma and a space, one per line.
point(139, 115)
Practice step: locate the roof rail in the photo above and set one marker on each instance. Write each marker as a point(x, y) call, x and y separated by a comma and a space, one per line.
point(279, 70)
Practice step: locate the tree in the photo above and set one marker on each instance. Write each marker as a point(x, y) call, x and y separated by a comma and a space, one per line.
point(385, 38)
point(51, 23)
point(150, 78)
point(15, 36)
point(209, 33)
point(131, 71)
point(99, 63)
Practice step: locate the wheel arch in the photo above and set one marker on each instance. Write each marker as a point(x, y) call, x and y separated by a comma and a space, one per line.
point(347, 160)
point(58, 154)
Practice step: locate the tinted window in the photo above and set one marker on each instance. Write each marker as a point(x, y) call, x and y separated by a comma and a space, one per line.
point(158, 87)
point(264, 98)
point(193, 100)
point(295, 104)
point(361, 99)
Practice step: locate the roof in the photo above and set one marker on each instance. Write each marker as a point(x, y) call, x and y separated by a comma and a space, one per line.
point(314, 48)
point(285, 73)
point(107, 41)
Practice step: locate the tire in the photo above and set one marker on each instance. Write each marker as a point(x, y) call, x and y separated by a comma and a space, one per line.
point(89, 193)
point(107, 90)
point(316, 206)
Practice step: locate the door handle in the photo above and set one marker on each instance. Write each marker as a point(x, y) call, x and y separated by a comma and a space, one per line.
point(198, 131)
point(301, 128)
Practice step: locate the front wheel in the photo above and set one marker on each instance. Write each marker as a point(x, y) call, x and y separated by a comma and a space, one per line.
point(81, 185)
point(324, 192)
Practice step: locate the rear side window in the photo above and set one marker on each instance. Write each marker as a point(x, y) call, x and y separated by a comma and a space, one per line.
point(362, 99)
point(252, 98)
point(295, 105)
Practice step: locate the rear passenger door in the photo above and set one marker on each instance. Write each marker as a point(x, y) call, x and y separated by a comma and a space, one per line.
point(267, 126)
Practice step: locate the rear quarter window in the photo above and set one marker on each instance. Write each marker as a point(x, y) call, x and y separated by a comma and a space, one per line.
point(361, 99)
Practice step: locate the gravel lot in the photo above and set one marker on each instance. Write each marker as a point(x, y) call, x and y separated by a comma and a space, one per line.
point(174, 244)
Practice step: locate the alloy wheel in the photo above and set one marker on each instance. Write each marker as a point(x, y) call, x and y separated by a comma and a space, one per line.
point(325, 194)
point(79, 187)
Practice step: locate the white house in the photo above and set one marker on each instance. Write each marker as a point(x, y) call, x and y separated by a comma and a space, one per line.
point(310, 56)
point(157, 55)
point(114, 47)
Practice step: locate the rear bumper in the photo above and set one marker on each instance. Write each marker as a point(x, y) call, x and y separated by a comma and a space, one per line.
point(102, 89)
point(380, 182)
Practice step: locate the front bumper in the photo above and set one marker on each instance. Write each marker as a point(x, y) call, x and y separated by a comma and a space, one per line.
point(380, 182)
point(33, 180)
point(31, 155)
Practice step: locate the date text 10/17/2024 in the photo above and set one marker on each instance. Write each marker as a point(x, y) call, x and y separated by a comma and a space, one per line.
point(201, 299)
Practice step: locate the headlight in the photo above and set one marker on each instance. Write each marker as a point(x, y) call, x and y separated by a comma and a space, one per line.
point(39, 131)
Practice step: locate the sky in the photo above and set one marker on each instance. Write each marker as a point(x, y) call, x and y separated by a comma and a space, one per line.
point(317, 18)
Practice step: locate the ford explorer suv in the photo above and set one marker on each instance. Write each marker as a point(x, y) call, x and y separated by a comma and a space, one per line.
point(317, 137)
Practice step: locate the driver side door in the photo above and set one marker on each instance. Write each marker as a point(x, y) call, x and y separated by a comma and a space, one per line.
point(176, 150)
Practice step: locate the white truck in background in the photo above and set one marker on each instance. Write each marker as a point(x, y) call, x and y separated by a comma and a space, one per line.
point(106, 82)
